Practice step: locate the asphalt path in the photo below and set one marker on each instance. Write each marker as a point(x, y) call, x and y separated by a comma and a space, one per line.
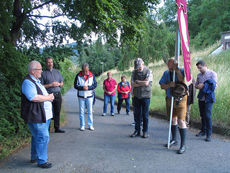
point(109, 149)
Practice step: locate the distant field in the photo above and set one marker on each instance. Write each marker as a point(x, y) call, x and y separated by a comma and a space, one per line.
point(219, 63)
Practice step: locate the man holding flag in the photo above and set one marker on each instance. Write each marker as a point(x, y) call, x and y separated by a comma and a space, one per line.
point(169, 81)
point(180, 104)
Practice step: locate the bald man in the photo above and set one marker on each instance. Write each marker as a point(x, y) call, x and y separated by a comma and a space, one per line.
point(36, 110)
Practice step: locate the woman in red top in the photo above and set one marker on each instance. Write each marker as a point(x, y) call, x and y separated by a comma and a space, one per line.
point(109, 86)
point(123, 90)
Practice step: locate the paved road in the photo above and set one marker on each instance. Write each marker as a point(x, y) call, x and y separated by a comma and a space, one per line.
point(109, 149)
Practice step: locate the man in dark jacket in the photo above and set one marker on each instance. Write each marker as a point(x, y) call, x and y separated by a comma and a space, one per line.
point(206, 82)
point(36, 110)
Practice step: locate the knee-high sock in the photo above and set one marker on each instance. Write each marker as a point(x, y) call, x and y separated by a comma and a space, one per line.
point(174, 132)
point(182, 136)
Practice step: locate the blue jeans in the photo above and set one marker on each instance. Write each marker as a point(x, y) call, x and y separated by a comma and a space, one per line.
point(141, 110)
point(39, 142)
point(120, 103)
point(106, 101)
point(206, 117)
point(88, 103)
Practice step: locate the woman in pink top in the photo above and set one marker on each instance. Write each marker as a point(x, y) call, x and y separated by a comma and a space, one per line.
point(109, 86)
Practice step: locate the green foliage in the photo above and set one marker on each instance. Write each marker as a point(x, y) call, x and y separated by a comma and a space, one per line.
point(97, 53)
point(21, 19)
point(12, 70)
point(68, 71)
point(168, 13)
point(156, 43)
point(206, 20)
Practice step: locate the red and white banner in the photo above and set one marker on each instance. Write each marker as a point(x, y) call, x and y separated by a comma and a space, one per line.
point(183, 26)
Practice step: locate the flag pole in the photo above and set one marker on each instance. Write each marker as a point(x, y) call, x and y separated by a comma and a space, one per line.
point(177, 53)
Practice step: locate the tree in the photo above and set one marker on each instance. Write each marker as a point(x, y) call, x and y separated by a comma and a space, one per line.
point(19, 19)
point(168, 13)
point(207, 19)
point(97, 53)
point(156, 43)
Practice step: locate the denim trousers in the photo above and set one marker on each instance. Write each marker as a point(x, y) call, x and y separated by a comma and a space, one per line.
point(206, 117)
point(108, 98)
point(141, 110)
point(86, 103)
point(127, 100)
point(39, 141)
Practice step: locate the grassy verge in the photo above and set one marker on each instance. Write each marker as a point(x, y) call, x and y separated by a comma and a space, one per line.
point(219, 63)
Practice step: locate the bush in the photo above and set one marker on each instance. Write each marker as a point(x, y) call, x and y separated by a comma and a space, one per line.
point(13, 69)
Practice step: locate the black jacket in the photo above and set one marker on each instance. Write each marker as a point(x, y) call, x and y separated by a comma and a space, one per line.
point(32, 112)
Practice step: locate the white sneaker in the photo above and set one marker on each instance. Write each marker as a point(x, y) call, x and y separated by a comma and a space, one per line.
point(82, 128)
point(91, 128)
point(103, 114)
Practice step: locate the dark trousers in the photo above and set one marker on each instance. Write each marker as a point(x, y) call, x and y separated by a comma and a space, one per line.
point(120, 103)
point(134, 112)
point(141, 110)
point(57, 109)
point(206, 117)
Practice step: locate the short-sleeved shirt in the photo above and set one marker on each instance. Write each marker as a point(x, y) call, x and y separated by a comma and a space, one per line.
point(49, 76)
point(201, 78)
point(110, 85)
point(30, 91)
point(168, 77)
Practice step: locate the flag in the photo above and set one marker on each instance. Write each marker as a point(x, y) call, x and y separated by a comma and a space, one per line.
point(183, 26)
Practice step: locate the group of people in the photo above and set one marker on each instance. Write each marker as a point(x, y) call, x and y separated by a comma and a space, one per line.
point(206, 83)
point(41, 101)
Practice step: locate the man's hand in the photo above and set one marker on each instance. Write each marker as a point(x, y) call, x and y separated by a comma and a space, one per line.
point(171, 84)
point(200, 86)
point(85, 87)
point(55, 84)
point(175, 66)
point(51, 97)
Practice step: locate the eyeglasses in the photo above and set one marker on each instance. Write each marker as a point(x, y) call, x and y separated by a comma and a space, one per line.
point(38, 69)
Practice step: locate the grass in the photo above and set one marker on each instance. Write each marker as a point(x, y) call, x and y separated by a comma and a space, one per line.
point(219, 63)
